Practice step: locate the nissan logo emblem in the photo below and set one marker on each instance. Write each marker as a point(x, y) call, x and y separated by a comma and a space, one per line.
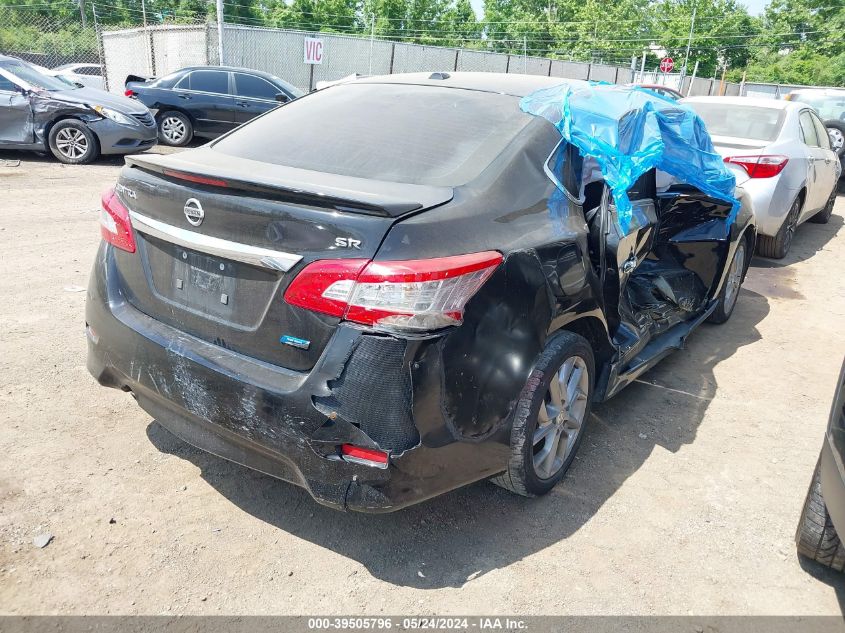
point(194, 212)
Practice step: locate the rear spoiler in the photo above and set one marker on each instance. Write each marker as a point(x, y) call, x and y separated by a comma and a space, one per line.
point(343, 193)
point(137, 78)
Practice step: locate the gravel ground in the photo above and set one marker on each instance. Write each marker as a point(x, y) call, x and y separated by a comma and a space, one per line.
point(683, 500)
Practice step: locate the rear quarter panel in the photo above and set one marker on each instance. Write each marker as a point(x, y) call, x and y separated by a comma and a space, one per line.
point(475, 373)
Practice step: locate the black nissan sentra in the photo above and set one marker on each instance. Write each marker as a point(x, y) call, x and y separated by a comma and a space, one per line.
point(394, 287)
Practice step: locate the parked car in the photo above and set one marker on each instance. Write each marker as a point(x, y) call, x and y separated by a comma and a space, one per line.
point(396, 286)
point(90, 75)
point(45, 113)
point(784, 149)
point(664, 91)
point(830, 105)
point(823, 516)
point(208, 101)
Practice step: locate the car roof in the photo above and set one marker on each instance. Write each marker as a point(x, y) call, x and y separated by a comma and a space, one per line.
point(513, 84)
point(758, 102)
point(237, 69)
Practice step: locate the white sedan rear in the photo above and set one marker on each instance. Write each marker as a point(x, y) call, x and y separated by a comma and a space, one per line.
point(783, 158)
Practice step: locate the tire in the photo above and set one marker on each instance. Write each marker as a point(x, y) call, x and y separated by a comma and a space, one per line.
point(816, 537)
point(530, 474)
point(778, 246)
point(730, 290)
point(72, 143)
point(836, 132)
point(174, 128)
point(823, 216)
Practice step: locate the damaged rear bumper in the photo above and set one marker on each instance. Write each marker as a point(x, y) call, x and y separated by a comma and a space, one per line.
point(268, 418)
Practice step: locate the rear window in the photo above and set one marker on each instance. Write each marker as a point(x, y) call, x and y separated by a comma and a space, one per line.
point(411, 134)
point(741, 121)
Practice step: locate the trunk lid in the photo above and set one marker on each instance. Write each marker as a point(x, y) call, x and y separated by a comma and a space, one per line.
point(218, 245)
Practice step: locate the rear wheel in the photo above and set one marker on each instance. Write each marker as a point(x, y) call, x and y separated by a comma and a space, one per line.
point(816, 537)
point(823, 216)
point(778, 246)
point(730, 289)
point(550, 416)
point(73, 143)
point(175, 129)
point(836, 132)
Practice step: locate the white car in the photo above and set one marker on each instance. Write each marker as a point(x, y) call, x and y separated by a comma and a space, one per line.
point(90, 75)
point(783, 159)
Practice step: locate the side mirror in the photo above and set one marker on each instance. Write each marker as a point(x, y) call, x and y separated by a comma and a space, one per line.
point(282, 98)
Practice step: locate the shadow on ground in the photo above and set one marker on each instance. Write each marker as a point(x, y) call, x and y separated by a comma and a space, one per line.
point(479, 528)
point(834, 579)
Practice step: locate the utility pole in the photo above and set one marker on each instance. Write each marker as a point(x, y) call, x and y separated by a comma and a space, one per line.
point(642, 68)
point(689, 43)
point(82, 12)
point(220, 32)
point(372, 37)
point(147, 38)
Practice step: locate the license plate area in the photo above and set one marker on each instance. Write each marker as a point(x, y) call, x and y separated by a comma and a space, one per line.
point(205, 283)
point(224, 290)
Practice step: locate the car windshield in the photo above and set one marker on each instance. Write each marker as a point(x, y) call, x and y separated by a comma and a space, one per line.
point(830, 106)
point(400, 133)
point(755, 123)
point(30, 75)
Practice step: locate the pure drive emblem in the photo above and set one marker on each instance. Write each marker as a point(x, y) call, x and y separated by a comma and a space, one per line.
point(194, 212)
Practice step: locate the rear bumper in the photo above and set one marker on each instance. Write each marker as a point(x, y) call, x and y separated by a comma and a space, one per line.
point(266, 417)
point(123, 139)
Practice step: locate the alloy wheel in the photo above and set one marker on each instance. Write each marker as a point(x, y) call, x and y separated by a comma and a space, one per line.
point(836, 139)
point(734, 277)
point(71, 143)
point(791, 224)
point(561, 417)
point(173, 129)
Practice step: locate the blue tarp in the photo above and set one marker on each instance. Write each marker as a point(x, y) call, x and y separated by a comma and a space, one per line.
point(629, 131)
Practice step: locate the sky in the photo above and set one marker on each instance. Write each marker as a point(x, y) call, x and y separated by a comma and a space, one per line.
point(755, 7)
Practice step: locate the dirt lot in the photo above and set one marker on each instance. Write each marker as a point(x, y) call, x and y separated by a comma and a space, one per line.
point(684, 498)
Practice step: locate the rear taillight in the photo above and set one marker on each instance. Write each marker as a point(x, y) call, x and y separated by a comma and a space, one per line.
point(365, 456)
point(412, 295)
point(129, 92)
point(115, 225)
point(760, 166)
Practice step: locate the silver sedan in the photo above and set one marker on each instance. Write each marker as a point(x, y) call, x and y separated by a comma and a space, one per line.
point(781, 154)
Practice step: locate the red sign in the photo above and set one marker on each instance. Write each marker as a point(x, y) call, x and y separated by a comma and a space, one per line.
point(313, 50)
point(667, 64)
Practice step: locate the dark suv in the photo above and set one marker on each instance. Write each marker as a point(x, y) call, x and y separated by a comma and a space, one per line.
point(400, 285)
point(207, 101)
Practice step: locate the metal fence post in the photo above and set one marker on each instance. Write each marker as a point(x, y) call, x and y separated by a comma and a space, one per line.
point(220, 32)
point(101, 51)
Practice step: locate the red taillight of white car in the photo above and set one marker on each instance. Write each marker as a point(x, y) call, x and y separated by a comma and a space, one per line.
point(764, 166)
point(413, 295)
point(115, 225)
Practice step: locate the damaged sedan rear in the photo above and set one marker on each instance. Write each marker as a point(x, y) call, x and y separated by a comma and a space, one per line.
point(394, 287)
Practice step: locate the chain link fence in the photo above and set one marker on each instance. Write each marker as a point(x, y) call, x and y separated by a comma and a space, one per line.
point(52, 40)
point(47, 40)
